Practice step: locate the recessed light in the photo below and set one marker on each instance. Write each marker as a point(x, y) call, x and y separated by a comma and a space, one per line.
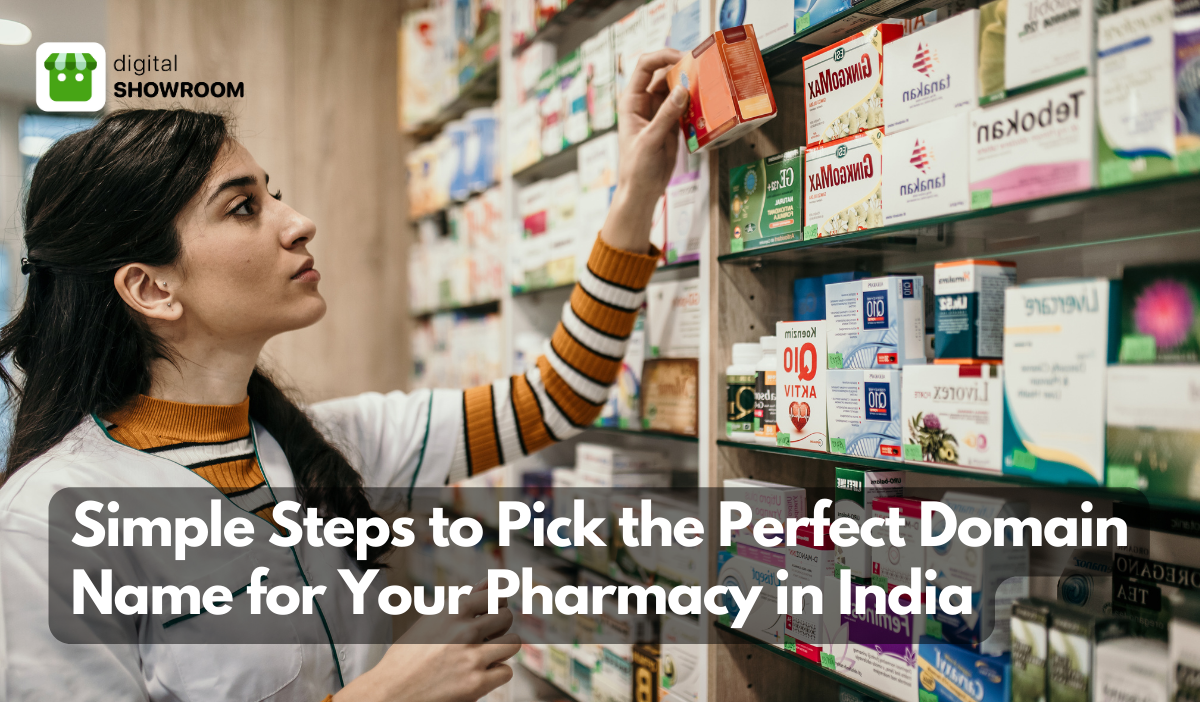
point(14, 33)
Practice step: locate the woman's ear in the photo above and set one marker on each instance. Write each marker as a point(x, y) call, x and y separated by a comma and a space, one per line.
point(146, 290)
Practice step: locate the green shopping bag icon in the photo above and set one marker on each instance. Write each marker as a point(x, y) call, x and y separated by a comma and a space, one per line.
point(70, 77)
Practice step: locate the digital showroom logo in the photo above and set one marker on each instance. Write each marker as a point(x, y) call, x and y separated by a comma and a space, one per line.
point(71, 77)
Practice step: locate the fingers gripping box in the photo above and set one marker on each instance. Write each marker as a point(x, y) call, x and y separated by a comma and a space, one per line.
point(800, 385)
point(864, 413)
point(729, 89)
point(932, 74)
point(843, 85)
point(843, 186)
point(876, 322)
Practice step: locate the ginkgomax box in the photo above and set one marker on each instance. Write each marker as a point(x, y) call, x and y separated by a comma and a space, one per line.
point(843, 186)
point(843, 85)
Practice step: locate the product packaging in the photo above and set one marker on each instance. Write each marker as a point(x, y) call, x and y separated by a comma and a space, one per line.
point(525, 135)
point(1033, 146)
point(1184, 648)
point(892, 565)
point(810, 13)
point(1071, 668)
point(671, 395)
point(927, 171)
point(1153, 435)
point(954, 416)
point(855, 491)
point(629, 41)
point(621, 408)
point(765, 201)
point(740, 381)
point(843, 186)
point(628, 564)
point(952, 674)
point(673, 319)
point(1132, 670)
point(808, 301)
point(969, 314)
point(876, 322)
point(992, 28)
point(808, 565)
point(1160, 313)
point(800, 390)
point(656, 23)
point(754, 566)
point(996, 575)
point(1058, 337)
point(933, 74)
point(772, 19)
point(843, 85)
point(609, 460)
point(681, 674)
point(550, 110)
point(729, 89)
point(1135, 94)
point(686, 204)
point(865, 413)
point(1045, 43)
point(574, 85)
point(599, 65)
point(1030, 644)
point(677, 564)
point(879, 652)
point(1086, 584)
point(765, 499)
point(765, 384)
point(1187, 93)
point(646, 670)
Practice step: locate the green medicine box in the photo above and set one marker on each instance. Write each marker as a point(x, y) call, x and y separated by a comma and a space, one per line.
point(765, 200)
point(70, 77)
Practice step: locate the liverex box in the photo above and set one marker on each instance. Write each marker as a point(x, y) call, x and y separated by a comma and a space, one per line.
point(876, 322)
point(854, 495)
point(1058, 338)
point(800, 387)
point(932, 74)
point(954, 415)
point(729, 89)
point(843, 85)
point(864, 413)
point(843, 186)
point(766, 201)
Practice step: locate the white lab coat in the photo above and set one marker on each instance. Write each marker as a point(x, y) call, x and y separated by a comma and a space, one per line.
point(396, 440)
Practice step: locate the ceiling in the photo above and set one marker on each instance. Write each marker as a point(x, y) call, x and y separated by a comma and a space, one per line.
point(49, 20)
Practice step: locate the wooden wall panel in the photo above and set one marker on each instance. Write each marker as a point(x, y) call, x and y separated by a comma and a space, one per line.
point(320, 116)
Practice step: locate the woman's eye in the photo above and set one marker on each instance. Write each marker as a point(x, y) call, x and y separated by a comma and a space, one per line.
point(245, 208)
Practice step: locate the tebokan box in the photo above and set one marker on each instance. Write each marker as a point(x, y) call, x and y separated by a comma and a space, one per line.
point(1033, 146)
point(729, 89)
point(843, 85)
point(843, 186)
point(854, 492)
point(765, 201)
point(892, 564)
point(876, 322)
point(800, 385)
point(968, 322)
point(932, 74)
point(808, 565)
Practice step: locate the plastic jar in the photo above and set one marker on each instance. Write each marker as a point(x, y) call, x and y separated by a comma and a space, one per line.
point(765, 427)
point(740, 382)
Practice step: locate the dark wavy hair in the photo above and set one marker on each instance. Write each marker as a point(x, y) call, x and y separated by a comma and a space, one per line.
point(100, 199)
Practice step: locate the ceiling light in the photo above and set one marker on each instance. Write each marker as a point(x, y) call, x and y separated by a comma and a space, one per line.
point(14, 33)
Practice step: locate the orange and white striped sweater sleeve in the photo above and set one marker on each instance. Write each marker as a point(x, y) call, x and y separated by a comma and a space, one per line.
point(566, 388)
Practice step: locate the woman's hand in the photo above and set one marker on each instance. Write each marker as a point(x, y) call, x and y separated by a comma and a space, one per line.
point(443, 658)
point(648, 127)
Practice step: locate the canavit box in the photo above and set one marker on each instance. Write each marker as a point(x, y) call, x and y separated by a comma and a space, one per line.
point(843, 85)
point(729, 89)
point(843, 186)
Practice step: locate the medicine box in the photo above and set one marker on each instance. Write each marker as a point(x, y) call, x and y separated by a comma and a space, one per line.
point(1071, 669)
point(682, 673)
point(599, 64)
point(1033, 146)
point(602, 459)
point(677, 564)
point(947, 672)
point(771, 19)
point(1045, 43)
point(809, 13)
point(1132, 669)
point(876, 322)
point(1187, 92)
point(753, 566)
point(1153, 435)
point(1160, 313)
point(1057, 340)
point(766, 201)
point(800, 388)
point(878, 651)
point(927, 171)
point(1030, 634)
point(729, 89)
point(621, 409)
point(843, 186)
point(686, 205)
point(1183, 653)
point(781, 502)
point(808, 564)
point(996, 575)
point(892, 564)
point(1135, 94)
point(932, 74)
point(629, 41)
point(855, 492)
point(808, 301)
point(969, 312)
point(673, 319)
point(954, 416)
point(865, 414)
point(843, 85)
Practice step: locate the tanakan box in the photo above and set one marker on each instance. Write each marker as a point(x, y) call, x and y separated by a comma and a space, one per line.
point(765, 201)
point(933, 74)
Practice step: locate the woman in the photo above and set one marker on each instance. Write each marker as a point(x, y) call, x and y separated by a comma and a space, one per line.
point(159, 265)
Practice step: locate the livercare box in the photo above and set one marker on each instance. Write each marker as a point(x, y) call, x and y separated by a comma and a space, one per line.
point(932, 74)
point(855, 491)
point(1135, 94)
point(891, 564)
point(843, 85)
point(843, 186)
point(954, 416)
point(1045, 42)
point(864, 413)
point(1033, 146)
point(1153, 436)
point(781, 502)
point(969, 313)
point(729, 89)
point(927, 171)
point(765, 201)
point(808, 564)
point(876, 322)
point(1058, 337)
point(800, 389)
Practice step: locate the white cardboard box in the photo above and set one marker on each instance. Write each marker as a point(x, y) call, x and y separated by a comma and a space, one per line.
point(772, 19)
point(673, 319)
point(1047, 41)
point(892, 565)
point(843, 90)
point(765, 500)
point(927, 170)
point(932, 74)
point(864, 414)
point(808, 565)
point(800, 385)
point(954, 416)
point(843, 186)
point(875, 322)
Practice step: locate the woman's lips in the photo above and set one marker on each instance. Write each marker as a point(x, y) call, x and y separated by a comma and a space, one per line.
point(308, 275)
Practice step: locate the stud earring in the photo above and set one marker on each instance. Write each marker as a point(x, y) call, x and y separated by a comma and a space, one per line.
point(168, 304)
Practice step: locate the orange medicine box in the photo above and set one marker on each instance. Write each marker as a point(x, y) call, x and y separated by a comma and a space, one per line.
point(729, 89)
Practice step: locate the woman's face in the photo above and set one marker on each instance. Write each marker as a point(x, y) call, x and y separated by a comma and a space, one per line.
point(245, 273)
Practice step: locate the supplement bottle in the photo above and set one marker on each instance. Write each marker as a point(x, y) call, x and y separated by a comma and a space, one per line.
point(740, 379)
point(764, 394)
